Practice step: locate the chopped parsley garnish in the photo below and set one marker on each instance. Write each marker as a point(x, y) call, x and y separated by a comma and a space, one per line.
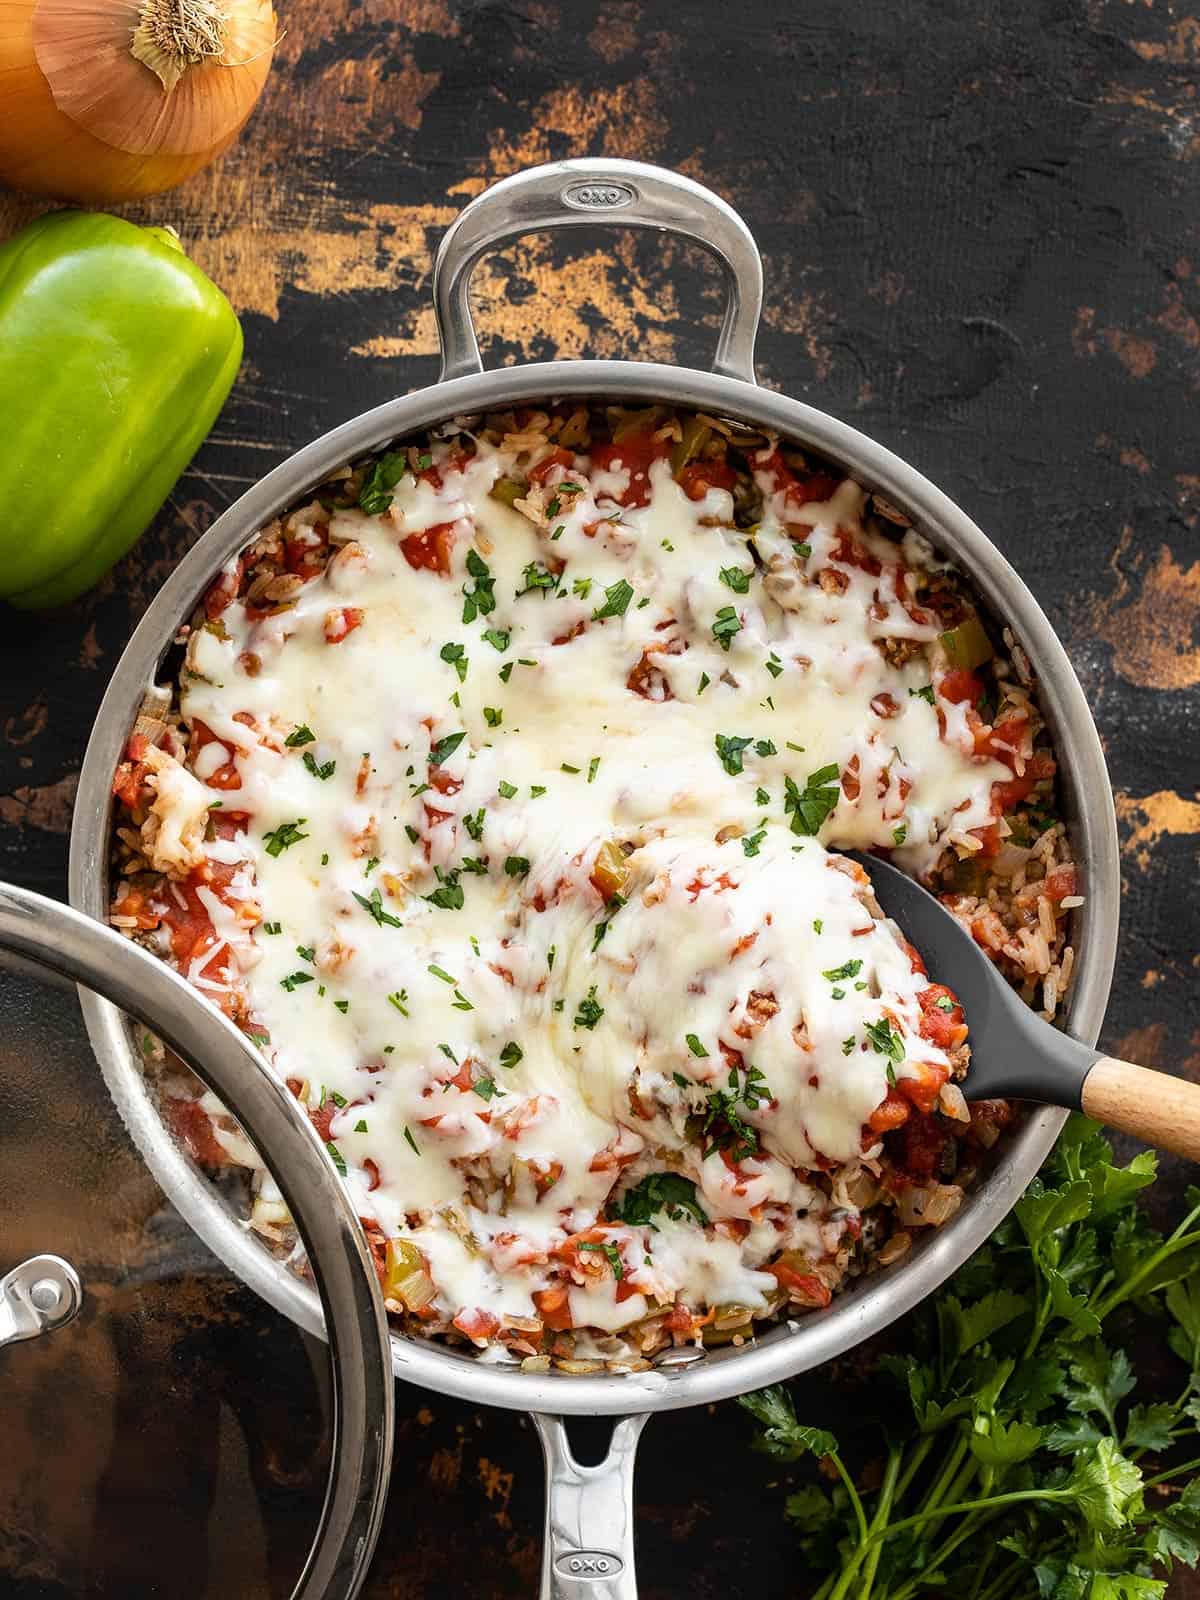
point(335, 1155)
point(944, 1003)
point(812, 804)
point(589, 1011)
point(536, 791)
point(375, 496)
point(284, 836)
point(506, 790)
point(817, 924)
point(761, 797)
point(325, 770)
point(847, 1045)
point(412, 833)
point(765, 747)
point(460, 1002)
point(616, 601)
point(730, 749)
point(550, 955)
point(900, 834)
point(440, 972)
point(610, 1253)
point(456, 655)
point(449, 1054)
point(516, 866)
point(473, 823)
point(736, 579)
point(725, 625)
point(301, 735)
point(566, 766)
point(399, 1000)
point(506, 672)
point(593, 768)
point(498, 639)
point(372, 863)
point(774, 665)
point(848, 969)
point(886, 1040)
point(511, 1054)
point(752, 841)
point(582, 587)
point(694, 1045)
point(705, 680)
point(480, 600)
point(448, 896)
point(838, 994)
point(474, 865)
point(360, 1126)
point(341, 1005)
point(493, 716)
point(537, 577)
point(802, 548)
point(272, 927)
point(669, 1192)
point(410, 1141)
point(374, 908)
point(445, 748)
point(294, 979)
point(306, 952)
point(485, 1088)
point(924, 693)
point(614, 903)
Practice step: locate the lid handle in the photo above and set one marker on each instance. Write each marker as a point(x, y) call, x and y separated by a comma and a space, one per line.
point(628, 194)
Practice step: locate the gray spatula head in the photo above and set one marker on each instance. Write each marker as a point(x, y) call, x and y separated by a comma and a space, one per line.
point(1015, 1054)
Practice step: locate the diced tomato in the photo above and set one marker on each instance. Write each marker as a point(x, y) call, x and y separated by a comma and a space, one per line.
point(193, 1127)
point(223, 592)
point(989, 839)
point(635, 452)
point(444, 782)
point(922, 1090)
point(477, 1324)
point(698, 477)
point(340, 623)
point(554, 1308)
point(1008, 796)
point(558, 457)
point(305, 555)
point(226, 776)
point(849, 553)
point(891, 1112)
point(1060, 883)
point(943, 1025)
point(958, 685)
point(431, 548)
point(808, 1284)
point(321, 1117)
point(918, 1148)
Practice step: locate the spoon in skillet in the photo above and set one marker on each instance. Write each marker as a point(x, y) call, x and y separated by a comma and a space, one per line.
point(1015, 1054)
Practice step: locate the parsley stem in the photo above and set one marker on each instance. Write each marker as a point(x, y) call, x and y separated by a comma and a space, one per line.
point(883, 1508)
point(1171, 1472)
point(915, 1465)
point(859, 1514)
point(986, 1503)
point(947, 1475)
point(1179, 1240)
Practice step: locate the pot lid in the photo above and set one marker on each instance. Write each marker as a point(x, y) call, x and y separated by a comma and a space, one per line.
point(145, 1451)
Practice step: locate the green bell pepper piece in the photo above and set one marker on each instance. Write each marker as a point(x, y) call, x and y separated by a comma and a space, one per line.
point(116, 354)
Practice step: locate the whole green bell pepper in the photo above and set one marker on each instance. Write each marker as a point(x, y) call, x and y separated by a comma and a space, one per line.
point(116, 354)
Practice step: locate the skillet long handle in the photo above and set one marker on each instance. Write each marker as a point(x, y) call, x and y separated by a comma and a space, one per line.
point(588, 1551)
point(1162, 1110)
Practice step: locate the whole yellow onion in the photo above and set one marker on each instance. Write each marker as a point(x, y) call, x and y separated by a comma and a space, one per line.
point(108, 100)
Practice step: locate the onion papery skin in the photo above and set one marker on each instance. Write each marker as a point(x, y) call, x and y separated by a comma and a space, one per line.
point(167, 138)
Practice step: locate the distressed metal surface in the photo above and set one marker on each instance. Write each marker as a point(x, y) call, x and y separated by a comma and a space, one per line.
point(983, 247)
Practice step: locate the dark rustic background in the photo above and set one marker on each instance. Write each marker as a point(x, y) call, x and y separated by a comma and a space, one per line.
point(983, 248)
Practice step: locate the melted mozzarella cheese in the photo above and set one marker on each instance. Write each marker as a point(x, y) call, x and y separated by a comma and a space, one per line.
point(428, 800)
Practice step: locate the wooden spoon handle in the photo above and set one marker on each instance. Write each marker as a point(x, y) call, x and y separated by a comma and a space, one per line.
point(1161, 1110)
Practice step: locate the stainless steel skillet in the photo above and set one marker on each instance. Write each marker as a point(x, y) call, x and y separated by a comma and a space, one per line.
point(589, 1545)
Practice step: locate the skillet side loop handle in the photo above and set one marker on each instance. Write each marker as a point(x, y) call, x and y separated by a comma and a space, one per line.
point(627, 194)
point(588, 1547)
point(1153, 1106)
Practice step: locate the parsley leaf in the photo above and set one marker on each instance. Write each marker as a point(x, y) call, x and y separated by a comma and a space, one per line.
point(616, 601)
point(726, 624)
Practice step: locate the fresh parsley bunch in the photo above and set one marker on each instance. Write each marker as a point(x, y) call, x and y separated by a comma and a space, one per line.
point(1020, 1463)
